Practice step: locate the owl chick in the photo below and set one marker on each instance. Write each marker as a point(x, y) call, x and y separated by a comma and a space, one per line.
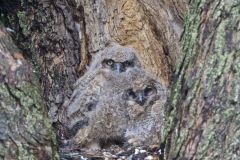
point(109, 70)
point(145, 101)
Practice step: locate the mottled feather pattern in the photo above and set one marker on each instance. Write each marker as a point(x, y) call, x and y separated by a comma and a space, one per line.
point(118, 99)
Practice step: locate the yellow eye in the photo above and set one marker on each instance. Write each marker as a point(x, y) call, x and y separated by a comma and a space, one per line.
point(109, 62)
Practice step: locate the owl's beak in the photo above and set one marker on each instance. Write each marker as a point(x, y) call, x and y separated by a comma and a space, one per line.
point(140, 98)
point(119, 67)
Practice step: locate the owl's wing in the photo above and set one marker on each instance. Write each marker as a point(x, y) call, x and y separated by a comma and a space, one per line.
point(84, 82)
point(80, 108)
point(83, 101)
point(86, 78)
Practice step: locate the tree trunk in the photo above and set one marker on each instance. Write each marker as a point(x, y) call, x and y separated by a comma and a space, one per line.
point(25, 129)
point(204, 113)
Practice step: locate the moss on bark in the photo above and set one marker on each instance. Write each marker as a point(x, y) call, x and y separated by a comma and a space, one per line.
point(25, 130)
point(204, 105)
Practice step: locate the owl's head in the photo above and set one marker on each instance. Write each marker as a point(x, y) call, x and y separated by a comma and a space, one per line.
point(144, 93)
point(118, 59)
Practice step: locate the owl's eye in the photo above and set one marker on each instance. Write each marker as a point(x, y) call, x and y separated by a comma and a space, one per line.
point(128, 63)
point(109, 62)
point(149, 90)
point(131, 93)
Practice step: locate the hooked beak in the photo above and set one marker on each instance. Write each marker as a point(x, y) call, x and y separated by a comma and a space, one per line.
point(119, 67)
point(140, 98)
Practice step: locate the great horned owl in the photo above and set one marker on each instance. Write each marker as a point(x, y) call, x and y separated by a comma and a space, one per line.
point(110, 69)
point(145, 101)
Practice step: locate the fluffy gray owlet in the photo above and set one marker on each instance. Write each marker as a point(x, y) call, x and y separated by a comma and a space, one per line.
point(109, 120)
point(134, 114)
point(145, 101)
point(109, 67)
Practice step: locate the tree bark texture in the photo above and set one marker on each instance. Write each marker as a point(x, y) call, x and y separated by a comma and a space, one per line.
point(62, 36)
point(25, 129)
point(204, 113)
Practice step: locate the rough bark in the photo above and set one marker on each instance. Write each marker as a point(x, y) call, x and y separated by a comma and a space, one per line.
point(25, 129)
point(204, 113)
point(50, 34)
